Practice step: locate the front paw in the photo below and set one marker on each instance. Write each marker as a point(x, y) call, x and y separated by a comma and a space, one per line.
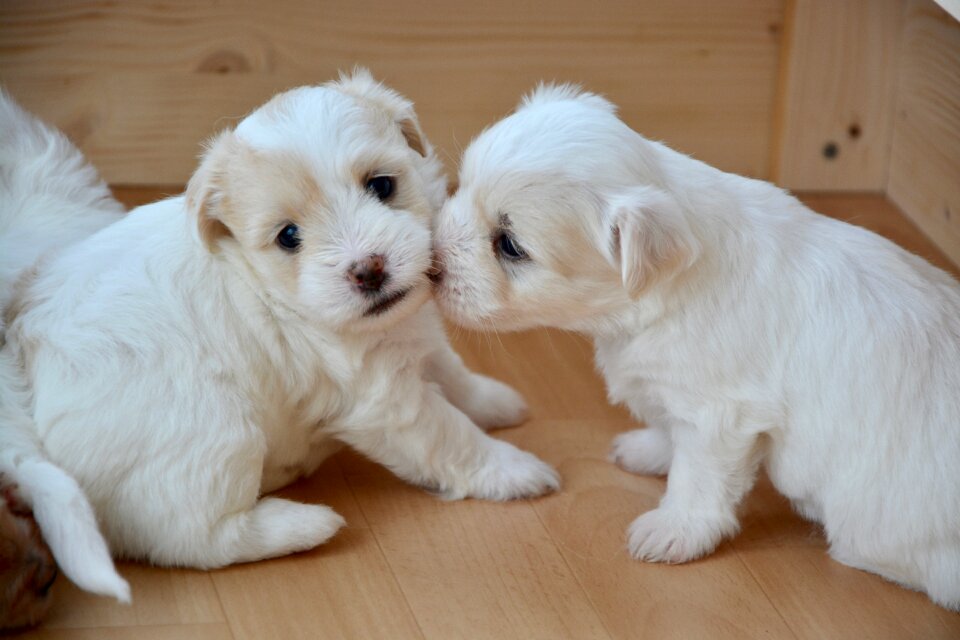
point(670, 535)
point(493, 404)
point(510, 473)
point(644, 451)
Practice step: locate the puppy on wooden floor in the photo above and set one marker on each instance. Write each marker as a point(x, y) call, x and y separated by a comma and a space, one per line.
point(213, 347)
point(743, 328)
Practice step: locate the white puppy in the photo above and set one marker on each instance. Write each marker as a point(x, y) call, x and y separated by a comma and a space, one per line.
point(213, 347)
point(741, 326)
point(50, 198)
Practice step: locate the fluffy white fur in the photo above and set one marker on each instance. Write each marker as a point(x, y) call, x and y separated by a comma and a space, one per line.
point(743, 328)
point(180, 363)
point(49, 198)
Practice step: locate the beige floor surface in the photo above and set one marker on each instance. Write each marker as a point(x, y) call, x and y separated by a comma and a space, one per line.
point(411, 566)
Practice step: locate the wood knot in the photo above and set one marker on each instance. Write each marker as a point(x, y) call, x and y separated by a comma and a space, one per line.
point(224, 62)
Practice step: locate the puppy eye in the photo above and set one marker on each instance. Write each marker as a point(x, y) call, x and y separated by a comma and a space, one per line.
point(289, 238)
point(508, 248)
point(382, 187)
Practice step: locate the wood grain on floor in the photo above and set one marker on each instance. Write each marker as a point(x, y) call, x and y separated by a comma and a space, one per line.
point(411, 566)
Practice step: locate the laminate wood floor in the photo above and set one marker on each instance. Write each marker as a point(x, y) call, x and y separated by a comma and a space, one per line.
point(411, 566)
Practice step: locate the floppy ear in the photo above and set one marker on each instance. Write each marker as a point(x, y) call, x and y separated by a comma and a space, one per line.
point(360, 84)
point(647, 236)
point(205, 191)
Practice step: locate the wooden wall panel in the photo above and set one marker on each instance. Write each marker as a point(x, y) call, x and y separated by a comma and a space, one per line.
point(139, 84)
point(835, 107)
point(925, 158)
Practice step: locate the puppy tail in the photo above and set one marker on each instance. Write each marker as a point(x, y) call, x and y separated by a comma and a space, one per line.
point(59, 505)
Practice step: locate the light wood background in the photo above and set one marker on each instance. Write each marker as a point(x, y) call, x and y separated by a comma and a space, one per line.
point(924, 175)
point(139, 83)
point(409, 566)
point(824, 95)
point(839, 76)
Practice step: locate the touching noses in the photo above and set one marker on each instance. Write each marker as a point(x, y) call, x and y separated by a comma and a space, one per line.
point(368, 274)
point(435, 271)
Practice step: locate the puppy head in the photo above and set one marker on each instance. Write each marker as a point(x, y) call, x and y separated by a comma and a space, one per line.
point(561, 219)
point(323, 198)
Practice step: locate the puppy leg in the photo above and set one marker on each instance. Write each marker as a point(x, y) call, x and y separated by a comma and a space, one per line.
point(269, 528)
point(211, 515)
point(439, 447)
point(644, 451)
point(488, 402)
point(712, 468)
point(273, 527)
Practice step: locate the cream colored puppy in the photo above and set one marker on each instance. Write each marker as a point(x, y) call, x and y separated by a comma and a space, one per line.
point(741, 326)
point(210, 348)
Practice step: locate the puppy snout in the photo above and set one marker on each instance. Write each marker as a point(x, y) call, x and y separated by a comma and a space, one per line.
point(435, 270)
point(368, 275)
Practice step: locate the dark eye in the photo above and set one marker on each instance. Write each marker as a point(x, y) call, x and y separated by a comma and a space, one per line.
point(289, 237)
point(508, 248)
point(381, 186)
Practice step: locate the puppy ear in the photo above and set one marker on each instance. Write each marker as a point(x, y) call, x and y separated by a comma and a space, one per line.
point(205, 190)
point(360, 84)
point(647, 236)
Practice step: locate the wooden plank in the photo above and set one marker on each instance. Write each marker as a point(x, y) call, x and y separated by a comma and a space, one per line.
point(160, 632)
point(925, 158)
point(716, 597)
point(835, 107)
point(343, 589)
point(474, 569)
point(568, 384)
point(140, 84)
point(160, 596)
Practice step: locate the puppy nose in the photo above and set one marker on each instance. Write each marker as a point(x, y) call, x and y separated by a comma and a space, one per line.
point(435, 270)
point(368, 274)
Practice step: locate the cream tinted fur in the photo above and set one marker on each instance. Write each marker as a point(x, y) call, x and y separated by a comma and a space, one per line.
point(181, 364)
point(741, 326)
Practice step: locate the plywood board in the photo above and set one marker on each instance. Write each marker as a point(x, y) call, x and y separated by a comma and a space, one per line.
point(925, 157)
point(835, 108)
point(140, 84)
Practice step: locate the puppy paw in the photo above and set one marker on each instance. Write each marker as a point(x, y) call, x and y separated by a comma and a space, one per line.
point(511, 473)
point(277, 527)
point(493, 404)
point(644, 451)
point(667, 535)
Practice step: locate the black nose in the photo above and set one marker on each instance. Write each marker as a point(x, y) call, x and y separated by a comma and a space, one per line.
point(368, 274)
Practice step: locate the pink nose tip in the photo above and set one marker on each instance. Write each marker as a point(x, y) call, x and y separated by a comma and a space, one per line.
point(368, 274)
